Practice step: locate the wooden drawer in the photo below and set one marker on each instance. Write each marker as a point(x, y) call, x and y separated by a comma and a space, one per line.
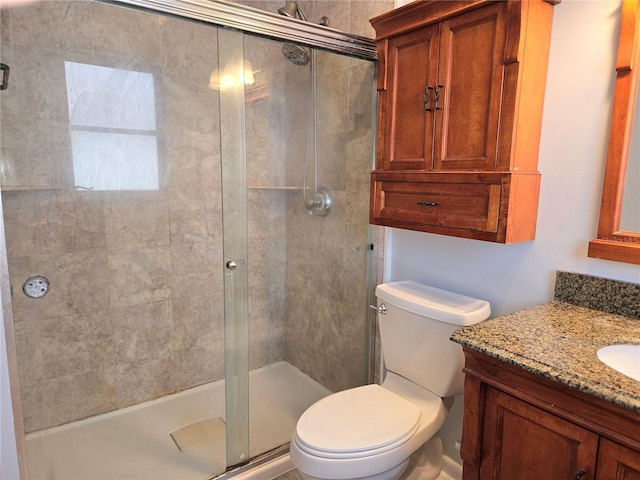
point(497, 207)
point(451, 204)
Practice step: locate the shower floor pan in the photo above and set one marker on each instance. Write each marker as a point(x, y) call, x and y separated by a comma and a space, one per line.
point(135, 443)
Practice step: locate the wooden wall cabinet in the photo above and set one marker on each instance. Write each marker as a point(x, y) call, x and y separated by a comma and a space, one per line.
point(461, 90)
point(520, 425)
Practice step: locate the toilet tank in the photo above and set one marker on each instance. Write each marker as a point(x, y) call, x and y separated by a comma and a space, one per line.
point(415, 333)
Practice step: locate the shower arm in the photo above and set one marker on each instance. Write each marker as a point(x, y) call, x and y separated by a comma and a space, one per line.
point(293, 10)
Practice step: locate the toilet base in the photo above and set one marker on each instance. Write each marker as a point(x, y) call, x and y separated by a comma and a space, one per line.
point(426, 462)
point(392, 474)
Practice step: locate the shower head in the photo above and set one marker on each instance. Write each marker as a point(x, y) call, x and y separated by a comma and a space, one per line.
point(296, 53)
point(292, 10)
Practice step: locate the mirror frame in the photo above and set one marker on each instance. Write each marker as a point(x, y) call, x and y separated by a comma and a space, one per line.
point(613, 243)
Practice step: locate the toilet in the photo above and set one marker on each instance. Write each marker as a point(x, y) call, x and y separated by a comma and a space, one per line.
point(372, 432)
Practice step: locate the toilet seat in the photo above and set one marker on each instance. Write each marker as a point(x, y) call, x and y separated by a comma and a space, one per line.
point(382, 454)
point(355, 423)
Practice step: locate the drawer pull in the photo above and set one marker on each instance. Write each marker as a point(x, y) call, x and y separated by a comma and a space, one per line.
point(580, 474)
point(428, 204)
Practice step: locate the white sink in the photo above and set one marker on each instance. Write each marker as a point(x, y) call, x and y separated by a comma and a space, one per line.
point(624, 358)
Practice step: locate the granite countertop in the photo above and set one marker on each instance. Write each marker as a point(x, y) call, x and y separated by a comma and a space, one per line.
point(559, 340)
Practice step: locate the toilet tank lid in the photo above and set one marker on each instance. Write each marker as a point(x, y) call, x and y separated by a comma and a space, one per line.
point(435, 303)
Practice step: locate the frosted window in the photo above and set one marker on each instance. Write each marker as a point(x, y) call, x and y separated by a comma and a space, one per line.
point(112, 120)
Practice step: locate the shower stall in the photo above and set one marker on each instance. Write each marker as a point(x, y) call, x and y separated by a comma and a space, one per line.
point(185, 190)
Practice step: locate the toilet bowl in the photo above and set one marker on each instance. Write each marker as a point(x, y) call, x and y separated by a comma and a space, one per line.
point(366, 432)
point(371, 432)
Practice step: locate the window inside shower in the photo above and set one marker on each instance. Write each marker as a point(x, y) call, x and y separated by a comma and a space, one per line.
point(112, 122)
point(192, 291)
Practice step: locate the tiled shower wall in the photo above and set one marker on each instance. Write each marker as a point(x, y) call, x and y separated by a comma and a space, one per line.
point(136, 305)
point(326, 281)
point(327, 277)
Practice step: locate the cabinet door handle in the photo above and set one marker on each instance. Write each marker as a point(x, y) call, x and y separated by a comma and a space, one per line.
point(427, 204)
point(436, 97)
point(425, 99)
point(581, 474)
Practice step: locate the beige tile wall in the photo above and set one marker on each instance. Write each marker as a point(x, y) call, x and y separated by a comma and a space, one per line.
point(326, 301)
point(327, 283)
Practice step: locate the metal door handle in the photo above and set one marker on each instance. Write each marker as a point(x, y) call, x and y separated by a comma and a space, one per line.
point(425, 99)
point(436, 97)
point(5, 76)
point(231, 265)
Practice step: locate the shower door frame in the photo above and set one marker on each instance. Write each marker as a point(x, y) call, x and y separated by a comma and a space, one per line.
point(260, 22)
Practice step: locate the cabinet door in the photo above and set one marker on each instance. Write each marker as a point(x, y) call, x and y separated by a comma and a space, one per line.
point(470, 75)
point(617, 462)
point(407, 128)
point(523, 442)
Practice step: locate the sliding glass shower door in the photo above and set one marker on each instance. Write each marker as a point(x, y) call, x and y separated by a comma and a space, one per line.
point(296, 152)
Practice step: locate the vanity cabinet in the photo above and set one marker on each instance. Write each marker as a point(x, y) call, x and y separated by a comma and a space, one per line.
point(461, 90)
point(521, 425)
point(522, 441)
point(617, 462)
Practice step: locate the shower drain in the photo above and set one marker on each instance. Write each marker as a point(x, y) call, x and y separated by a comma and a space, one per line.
point(36, 287)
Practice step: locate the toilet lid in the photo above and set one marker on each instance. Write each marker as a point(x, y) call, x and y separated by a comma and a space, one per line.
point(357, 420)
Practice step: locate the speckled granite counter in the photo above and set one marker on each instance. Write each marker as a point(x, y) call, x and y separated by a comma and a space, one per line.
point(559, 340)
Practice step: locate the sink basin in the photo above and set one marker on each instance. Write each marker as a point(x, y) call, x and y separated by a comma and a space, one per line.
point(624, 358)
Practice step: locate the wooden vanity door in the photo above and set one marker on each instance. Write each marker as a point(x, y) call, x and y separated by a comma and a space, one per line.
point(523, 442)
point(617, 462)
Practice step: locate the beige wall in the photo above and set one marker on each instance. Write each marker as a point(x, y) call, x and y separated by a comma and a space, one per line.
point(135, 309)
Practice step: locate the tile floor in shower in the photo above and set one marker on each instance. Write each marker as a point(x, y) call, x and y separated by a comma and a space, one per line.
point(135, 443)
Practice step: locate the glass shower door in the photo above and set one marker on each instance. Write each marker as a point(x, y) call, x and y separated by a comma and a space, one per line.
point(295, 270)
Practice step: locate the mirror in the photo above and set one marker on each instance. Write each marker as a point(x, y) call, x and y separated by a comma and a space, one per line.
point(619, 225)
point(630, 216)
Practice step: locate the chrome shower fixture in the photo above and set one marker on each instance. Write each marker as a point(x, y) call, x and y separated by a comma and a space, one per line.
point(320, 202)
point(292, 10)
point(293, 52)
point(296, 53)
